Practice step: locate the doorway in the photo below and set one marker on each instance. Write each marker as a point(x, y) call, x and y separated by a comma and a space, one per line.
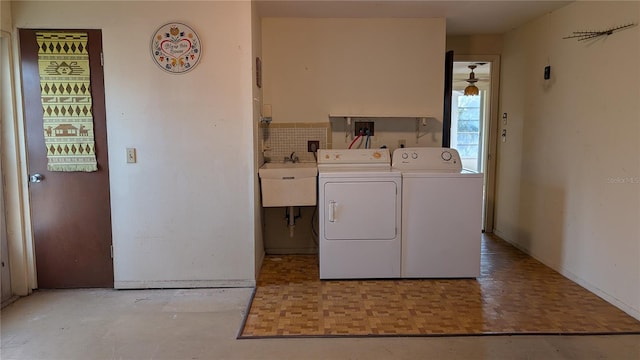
point(474, 122)
point(70, 207)
point(7, 292)
point(6, 108)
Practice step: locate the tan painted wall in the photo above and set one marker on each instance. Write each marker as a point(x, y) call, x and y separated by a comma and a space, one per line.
point(569, 174)
point(5, 15)
point(314, 67)
point(475, 44)
point(184, 214)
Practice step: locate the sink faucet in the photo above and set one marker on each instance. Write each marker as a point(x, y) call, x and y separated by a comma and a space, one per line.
point(293, 158)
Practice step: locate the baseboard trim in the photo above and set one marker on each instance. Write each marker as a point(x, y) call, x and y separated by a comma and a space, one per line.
point(183, 284)
point(9, 301)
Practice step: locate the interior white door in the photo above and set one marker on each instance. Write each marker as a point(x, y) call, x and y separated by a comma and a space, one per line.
point(4, 253)
point(5, 59)
point(360, 210)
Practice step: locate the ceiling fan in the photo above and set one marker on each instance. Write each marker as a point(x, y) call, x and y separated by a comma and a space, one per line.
point(471, 89)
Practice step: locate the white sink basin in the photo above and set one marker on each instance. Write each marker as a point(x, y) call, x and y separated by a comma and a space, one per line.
point(288, 184)
point(280, 170)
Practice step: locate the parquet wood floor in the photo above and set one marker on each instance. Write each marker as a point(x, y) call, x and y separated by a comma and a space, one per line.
point(515, 294)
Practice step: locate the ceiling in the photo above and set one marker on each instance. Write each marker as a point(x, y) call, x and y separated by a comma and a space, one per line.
point(463, 17)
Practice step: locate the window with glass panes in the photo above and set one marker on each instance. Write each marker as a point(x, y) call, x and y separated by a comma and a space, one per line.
point(468, 137)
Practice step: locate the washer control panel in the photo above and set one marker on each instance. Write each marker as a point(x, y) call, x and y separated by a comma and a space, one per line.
point(354, 156)
point(427, 158)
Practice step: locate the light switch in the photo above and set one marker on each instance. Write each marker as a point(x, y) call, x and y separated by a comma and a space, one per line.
point(131, 155)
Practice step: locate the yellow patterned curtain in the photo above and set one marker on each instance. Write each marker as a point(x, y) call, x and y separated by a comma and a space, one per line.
point(63, 63)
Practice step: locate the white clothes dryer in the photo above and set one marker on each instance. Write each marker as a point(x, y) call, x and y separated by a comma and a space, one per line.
point(441, 214)
point(359, 214)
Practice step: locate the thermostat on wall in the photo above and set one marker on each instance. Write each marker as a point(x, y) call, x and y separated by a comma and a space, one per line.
point(547, 72)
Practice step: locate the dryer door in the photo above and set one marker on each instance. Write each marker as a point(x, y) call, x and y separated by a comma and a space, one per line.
point(360, 210)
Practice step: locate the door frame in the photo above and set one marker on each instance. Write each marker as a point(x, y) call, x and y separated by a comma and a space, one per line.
point(13, 152)
point(448, 89)
point(7, 291)
point(16, 188)
point(492, 136)
point(101, 143)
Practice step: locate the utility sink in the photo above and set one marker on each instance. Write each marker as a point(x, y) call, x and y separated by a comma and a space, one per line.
point(288, 184)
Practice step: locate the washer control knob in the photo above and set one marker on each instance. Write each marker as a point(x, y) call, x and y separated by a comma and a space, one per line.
point(414, 155)
point(446, 156)
point(405, 155)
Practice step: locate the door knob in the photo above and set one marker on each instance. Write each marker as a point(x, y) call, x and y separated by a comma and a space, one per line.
point(36, 178)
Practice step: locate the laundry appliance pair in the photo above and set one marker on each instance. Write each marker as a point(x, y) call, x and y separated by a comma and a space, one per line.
point(417, 215)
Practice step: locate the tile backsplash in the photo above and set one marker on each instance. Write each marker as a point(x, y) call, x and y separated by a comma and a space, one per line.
point(281, 139)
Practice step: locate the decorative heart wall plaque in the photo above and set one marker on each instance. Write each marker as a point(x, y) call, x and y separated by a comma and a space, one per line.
point(176, 48)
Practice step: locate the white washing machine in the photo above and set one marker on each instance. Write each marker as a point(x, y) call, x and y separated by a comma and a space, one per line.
point(441, 214)
point(359, 200)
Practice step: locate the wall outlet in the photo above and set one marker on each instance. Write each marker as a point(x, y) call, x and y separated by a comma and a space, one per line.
point(131, 155)
point(363, 126)
point(402, 143)
point(313, 145)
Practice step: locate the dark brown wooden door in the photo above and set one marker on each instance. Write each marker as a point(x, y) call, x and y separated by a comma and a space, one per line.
point(70, 211)
point(448, 90)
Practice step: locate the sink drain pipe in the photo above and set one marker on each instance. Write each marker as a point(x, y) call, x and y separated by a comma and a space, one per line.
point(292, 221)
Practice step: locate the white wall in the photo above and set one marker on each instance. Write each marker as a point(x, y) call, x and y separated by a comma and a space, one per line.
point(569, 173)
point(184, 214)
point(256, 38)
point(313, 67)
